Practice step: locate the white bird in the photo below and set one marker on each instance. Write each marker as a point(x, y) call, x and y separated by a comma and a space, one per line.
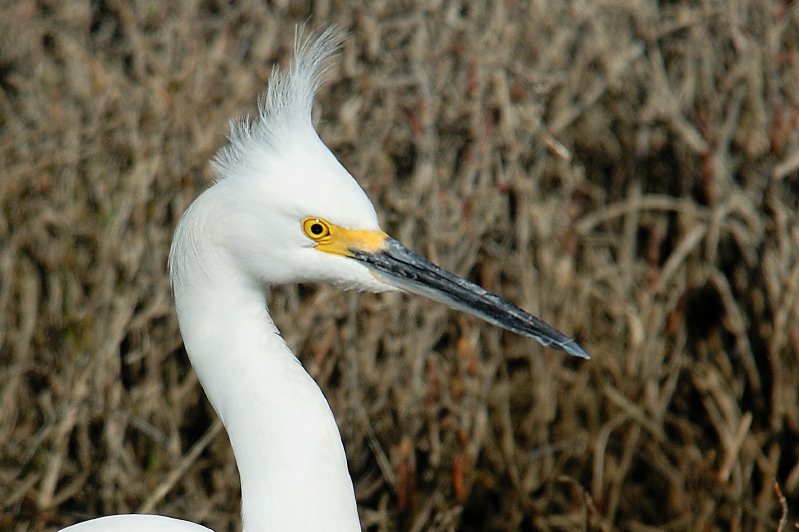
point(284, 210)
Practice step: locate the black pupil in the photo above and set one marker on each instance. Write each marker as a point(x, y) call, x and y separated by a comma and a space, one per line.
point(317, 229)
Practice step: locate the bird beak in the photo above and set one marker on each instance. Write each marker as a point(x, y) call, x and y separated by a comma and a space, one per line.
point(395, 264)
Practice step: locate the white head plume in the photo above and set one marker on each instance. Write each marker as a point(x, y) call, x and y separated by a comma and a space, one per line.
point(285, 110)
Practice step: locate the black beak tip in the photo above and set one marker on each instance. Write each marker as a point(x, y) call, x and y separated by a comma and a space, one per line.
point(573, 348)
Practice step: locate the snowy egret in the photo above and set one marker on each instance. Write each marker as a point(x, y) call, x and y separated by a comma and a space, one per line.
point(284, 210)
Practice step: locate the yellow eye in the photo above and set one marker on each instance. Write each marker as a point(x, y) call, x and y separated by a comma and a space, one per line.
point(316, 229)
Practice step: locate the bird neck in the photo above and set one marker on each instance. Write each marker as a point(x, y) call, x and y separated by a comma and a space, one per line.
point(287, 446)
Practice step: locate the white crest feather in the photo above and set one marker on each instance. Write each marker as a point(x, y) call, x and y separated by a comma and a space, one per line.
point(285, 110)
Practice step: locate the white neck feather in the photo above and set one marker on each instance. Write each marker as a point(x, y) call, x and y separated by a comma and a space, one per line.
point(288, 449)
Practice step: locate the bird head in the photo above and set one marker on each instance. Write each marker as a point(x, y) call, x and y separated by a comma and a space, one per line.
point(285, 210)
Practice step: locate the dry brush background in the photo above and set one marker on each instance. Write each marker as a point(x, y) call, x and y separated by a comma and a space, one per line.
point(627, 170)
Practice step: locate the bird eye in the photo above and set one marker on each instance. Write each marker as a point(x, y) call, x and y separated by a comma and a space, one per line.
point(315, 228)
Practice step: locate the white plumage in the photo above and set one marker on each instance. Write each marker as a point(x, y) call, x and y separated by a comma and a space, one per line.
point(284, 210)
